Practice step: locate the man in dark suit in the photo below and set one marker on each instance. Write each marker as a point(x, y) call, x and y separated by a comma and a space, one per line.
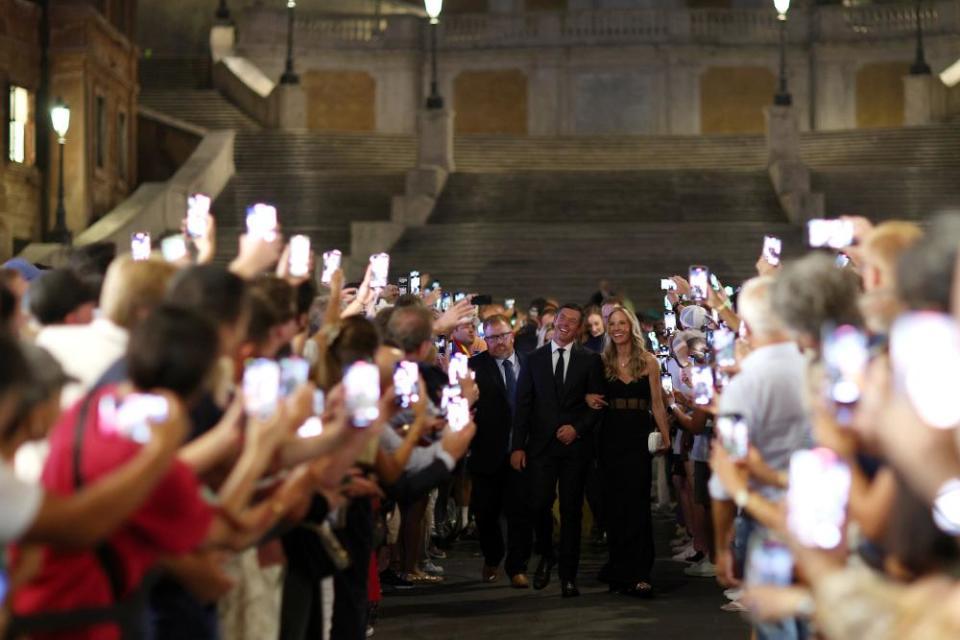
point(551, 426)
point(497, 487)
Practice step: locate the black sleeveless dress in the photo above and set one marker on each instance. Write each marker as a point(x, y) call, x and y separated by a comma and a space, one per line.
point(626, 471)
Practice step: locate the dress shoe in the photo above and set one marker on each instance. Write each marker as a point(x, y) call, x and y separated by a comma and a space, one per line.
point(542, 578)
point(520, 581)
point(489, 574)
point(568, 589)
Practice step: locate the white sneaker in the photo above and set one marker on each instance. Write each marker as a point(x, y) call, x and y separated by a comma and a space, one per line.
point(432, 568)
point(733, 594)
point(703, 569)
point(734, 606)
point(680, 543)
point(683, 555)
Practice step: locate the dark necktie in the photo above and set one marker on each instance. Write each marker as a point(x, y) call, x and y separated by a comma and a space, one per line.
point(510, 377)
point(558, 371)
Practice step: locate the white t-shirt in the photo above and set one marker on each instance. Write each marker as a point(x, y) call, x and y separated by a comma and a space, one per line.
point(19, 504)
point(85, 352)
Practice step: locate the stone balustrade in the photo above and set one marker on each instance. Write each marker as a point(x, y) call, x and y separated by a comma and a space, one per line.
point(266, 27)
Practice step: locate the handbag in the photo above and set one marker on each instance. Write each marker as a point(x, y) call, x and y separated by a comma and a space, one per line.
point(654, 441)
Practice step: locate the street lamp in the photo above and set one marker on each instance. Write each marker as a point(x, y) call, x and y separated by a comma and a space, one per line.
point(60, 118)
point(433, 7)
point(782, 98)
point(223, 12)
point(919, 66)
point(289, 75)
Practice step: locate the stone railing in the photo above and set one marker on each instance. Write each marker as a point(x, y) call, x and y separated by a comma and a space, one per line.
point(155, 207)
point(265, 28)
point(880, 22)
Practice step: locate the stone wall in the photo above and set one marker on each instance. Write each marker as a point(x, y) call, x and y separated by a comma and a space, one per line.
point(490, 102)
point(880, 94)
point(732, 99)
point(20, 184)
point(340, 100)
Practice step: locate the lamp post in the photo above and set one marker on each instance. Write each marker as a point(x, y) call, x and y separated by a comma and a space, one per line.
point(433, 7)
point(919, 66)
point(60, 118)
point(289, 75)
point(223, 12)
point(782, 97)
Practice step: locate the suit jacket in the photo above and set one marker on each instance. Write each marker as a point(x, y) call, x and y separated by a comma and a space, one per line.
point(542, 408)
point(494, 417)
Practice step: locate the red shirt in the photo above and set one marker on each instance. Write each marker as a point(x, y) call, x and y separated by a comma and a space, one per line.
point(173, 520)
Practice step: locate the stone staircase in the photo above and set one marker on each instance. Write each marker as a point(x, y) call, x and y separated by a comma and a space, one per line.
point(529, 216)
point(559, 232)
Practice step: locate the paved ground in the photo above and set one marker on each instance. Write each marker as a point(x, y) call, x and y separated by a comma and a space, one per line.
point(464, 608)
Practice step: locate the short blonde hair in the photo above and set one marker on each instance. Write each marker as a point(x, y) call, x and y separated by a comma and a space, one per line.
point(884, 245)
point(133, 287)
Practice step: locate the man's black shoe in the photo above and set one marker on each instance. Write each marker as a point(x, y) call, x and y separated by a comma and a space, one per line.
point(568, 589)
point(542, 577)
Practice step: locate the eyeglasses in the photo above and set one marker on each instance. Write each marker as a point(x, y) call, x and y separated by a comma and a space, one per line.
point(498, 337)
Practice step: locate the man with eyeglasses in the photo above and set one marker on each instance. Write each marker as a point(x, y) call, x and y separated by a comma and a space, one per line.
point(497, 487)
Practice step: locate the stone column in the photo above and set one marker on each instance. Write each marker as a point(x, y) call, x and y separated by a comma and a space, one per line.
point(789, 175)
point(223, 37)
point(289, 106)
point(924, 99)
point(435, 147)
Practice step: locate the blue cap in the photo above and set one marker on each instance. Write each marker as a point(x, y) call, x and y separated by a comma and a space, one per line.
point(29, 271)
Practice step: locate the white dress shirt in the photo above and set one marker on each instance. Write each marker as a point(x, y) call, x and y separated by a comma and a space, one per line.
point(554, 353)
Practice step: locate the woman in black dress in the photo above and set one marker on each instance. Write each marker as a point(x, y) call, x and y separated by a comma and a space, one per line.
point(632, 392)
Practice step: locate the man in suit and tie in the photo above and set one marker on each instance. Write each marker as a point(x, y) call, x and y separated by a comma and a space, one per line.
point(497, 487)
point(551, 426)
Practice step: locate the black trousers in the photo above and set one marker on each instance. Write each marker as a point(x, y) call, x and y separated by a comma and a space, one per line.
point(566, 466)
point(503, 493)
point(350, 585)
point(300, 611)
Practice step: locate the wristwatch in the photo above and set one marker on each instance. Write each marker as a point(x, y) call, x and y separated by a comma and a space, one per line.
point(741, 498)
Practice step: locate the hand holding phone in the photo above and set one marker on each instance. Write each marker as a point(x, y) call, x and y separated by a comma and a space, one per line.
point(458, 368)
point(819, 488)
point(173, 248)
point(261, 387)
point(734, 435)
point(406, 383)
point(701, 380)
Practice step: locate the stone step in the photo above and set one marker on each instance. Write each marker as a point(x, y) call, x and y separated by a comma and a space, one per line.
point(203, 107)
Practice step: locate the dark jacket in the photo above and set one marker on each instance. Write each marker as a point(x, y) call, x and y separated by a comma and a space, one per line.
point(542, 408)
point(494, 417)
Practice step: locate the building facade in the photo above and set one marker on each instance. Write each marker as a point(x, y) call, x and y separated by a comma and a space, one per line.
point(83, 54)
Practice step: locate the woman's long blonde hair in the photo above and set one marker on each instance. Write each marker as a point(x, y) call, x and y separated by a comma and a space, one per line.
point(637, 364)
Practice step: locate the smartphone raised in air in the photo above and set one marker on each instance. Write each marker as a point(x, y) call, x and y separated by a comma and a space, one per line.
point(458, 368)
point(261, 387)
point(173, 248)
point(406, 383)
point(133, 416)
point(670, 321)
point(733, 435)
point(834, 234)
point(299, 256)
point(667, 284)
point(724, 347)
point(140, 245)
point(294, 372)
point(925, 354)
point(701, 379)
point(380, 270)
point(262, 221)
point(331, 262)
point(361, 386)
point(666, 382)
point(509, 303)
point(198, 208)
point(772, 249)
point(819, 488)
point(699, 282)
point(415, 283)
point(845, 356)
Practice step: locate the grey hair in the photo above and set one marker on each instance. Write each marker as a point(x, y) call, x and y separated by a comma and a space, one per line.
point(812, 291)
point(925, 270)
point(755, 307)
